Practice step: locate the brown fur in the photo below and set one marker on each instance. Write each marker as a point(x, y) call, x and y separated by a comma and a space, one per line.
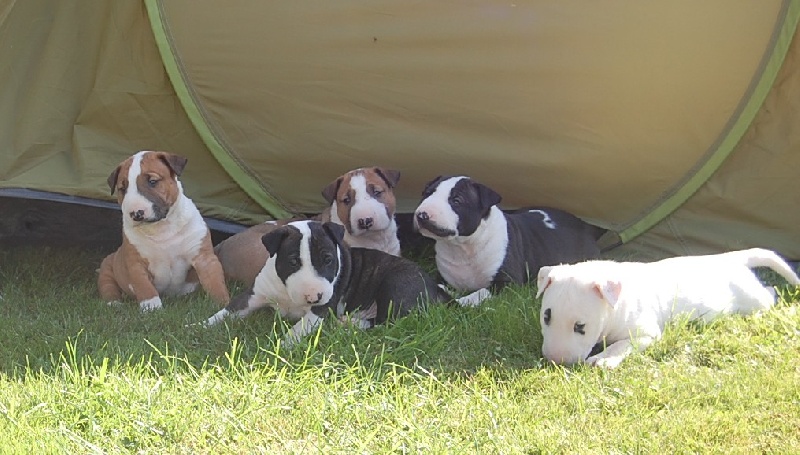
point(243, 255)
point(380, 183)
point(125, 271)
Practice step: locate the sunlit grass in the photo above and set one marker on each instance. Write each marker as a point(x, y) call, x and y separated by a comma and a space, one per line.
point(77, 376)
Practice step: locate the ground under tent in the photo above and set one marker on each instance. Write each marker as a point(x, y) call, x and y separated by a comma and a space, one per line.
point(674, 125)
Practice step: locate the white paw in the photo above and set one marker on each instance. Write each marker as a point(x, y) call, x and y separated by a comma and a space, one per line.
point(151, 304)
point(114, 303)
point(218, 317)
point(604, 362)
point(474, 299)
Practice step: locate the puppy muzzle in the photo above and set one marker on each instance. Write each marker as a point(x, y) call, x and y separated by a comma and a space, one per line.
point(424, 224)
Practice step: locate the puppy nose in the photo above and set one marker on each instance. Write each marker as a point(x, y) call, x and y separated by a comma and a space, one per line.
point(423, 216)
point(365, 223)
point(310, 298)
point(137, 215)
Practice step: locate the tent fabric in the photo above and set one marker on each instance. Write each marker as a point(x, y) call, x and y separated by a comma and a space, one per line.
point(83, 89)
point(669, 123)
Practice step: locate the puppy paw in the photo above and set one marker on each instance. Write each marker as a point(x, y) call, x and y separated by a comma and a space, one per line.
point(114, 303)
point(604, 362)
point(151, 304)
point(474, 299)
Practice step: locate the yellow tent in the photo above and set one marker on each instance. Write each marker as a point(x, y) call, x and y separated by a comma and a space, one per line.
point(675, 125)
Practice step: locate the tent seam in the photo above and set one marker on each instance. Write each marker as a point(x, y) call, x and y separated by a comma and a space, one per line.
point(214, 140)
point(735, 129)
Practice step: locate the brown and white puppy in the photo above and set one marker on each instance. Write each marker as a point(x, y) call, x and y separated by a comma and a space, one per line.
point(166, 245)
point(362, 200)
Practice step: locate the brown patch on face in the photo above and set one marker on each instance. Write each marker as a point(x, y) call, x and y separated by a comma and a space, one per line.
point(379, 185)
point(156, 182)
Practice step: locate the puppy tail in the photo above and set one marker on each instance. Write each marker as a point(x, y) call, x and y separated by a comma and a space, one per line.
point(759, 257)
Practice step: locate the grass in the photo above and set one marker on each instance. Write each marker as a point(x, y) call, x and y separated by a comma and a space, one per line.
point(77, 376)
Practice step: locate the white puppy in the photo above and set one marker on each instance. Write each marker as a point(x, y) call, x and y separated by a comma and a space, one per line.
point(626, 305)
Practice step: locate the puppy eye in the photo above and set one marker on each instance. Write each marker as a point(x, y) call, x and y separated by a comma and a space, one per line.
point(152, 183)
point(377, 192)
point(346, 200)
point(122, 189)
point(327, 259)
point(294, 261)
point(455, 200)
point(579, 328)
point(547, 316)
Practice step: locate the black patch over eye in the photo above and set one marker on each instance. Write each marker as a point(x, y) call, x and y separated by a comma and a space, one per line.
point(579, 328)
point(547, 316)
point(327, 259)
point(456, 200)
point(294, 261)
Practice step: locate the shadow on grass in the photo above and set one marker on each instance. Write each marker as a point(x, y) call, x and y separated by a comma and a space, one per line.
point(55, 320)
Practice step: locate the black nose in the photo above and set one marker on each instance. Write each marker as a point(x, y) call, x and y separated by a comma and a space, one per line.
point(319, 297)
point(423, 216)
point(137, 215)
point(365, 223)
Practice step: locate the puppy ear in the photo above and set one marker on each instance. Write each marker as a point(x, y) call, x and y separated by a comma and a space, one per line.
point(112, 179)
point(391, 177)
point(487, 197)
point(608, 291)
point(335, 231)
point(329, 192)
point(543, 280)
point(430, 187)
point(272, 240)
point(175, 162)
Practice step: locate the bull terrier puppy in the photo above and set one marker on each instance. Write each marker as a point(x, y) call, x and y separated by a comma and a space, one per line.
point(625, 305)
point(312, 272)
point(166, 245)
point(478, 246)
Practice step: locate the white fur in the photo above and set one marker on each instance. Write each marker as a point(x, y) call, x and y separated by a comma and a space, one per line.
point(169, 245)
point(294, 299)
point(438, 208)
point(470, 263)
point(627, 305)
point(467, 263)
point(474, 299)
point(383, 240)
point(151, 304)
point(546, 220)
point(383, 233)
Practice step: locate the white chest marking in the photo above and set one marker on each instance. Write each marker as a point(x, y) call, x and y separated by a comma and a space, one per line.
point(470, 263)
point(548, 222)
point(170, 245)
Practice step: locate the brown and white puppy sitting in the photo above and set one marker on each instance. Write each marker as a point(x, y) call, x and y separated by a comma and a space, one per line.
point(166, 245)
point(362, 200)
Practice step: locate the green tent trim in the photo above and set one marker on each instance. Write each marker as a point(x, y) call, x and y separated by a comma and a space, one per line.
point(737, 126)
point(234, 167)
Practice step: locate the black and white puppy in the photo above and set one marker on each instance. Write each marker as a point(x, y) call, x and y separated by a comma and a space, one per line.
point(311, 272)
point(478, 246)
